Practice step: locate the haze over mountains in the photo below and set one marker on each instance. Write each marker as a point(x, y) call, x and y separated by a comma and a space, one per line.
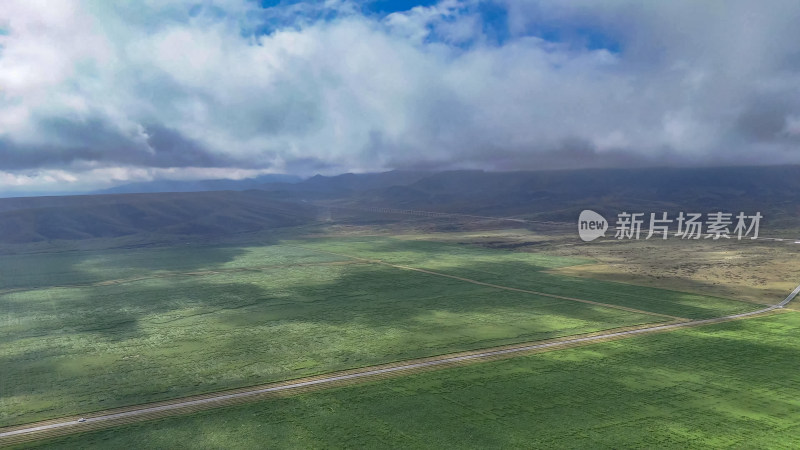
point(36, 219)
point(543, 195)
point(199, 185)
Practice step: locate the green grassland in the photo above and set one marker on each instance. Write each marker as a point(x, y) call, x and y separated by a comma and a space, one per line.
point(725, 385)
point(82, 267)
point(198, 319)
point(529, 271)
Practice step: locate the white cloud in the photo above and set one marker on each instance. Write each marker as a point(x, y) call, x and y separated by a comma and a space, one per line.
point(95, 90)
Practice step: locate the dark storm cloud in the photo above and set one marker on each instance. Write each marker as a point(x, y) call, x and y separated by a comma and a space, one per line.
point(571, 153)
point(93, 141)
point(172, 149)
point(764, 118)
point(309, 165)
point(15, 156)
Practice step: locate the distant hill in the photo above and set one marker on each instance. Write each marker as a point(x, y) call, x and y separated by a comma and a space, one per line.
point(560, 195)
point(36, 219)
point(199, 185)
point(545, 195)
point(347, 184)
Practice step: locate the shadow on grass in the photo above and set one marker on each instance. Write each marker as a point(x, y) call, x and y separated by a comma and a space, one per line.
point(667, 390)
point(528, 271)
point(192, 336)
point(75, 267)
point(201, 334)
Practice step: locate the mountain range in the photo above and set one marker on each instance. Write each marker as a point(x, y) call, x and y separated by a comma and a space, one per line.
point(271, 203)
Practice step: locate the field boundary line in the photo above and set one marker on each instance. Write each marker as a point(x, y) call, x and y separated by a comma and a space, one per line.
point(498, 286)
point(565, 272)
point(164, 408)
point(121, 416)
point(108, 418)
point(104, 419)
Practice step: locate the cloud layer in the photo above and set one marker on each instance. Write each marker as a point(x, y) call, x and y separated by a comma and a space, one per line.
point(93, 94)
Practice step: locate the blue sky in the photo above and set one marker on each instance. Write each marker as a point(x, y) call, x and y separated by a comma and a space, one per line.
point(94, 93)
point(384, 7)
point(493, 16)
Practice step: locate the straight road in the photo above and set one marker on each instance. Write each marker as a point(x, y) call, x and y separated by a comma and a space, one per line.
point(145, 411)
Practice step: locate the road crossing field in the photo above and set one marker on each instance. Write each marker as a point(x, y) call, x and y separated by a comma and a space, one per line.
point(722, 385)
point(155, 324)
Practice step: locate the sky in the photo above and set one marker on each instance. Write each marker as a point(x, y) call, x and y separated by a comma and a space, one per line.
point(96, 93)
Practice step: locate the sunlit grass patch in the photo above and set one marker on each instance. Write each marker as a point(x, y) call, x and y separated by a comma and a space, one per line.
point(724, 385)
point(199, 320)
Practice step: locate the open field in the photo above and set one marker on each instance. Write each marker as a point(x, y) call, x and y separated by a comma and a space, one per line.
point(195, 321)
point(723, 385)
point(527, 271)
point(757, 271)
point(131, 326)
point(83, 267)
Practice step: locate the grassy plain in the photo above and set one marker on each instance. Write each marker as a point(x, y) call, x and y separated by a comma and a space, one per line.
point(760, 271)
point(757, 271)
point(718, 386)
point(170, 322)
point(42, 269)
point(528, 270)
point(84, 331)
